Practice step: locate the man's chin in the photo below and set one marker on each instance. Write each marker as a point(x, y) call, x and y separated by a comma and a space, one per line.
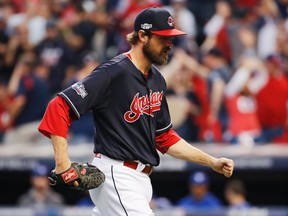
point(163, 61)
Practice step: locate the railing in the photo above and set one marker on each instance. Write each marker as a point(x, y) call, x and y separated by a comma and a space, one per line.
point(260, 157)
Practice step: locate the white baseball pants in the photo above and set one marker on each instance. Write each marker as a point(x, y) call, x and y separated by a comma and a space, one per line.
point(125, 192)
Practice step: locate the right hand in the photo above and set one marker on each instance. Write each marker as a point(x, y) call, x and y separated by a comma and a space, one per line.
point(224, 166)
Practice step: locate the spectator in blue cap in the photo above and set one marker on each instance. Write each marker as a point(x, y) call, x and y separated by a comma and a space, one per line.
point(199, 197)
point(40, 196)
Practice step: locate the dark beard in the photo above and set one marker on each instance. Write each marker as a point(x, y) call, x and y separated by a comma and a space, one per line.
point(154, 58)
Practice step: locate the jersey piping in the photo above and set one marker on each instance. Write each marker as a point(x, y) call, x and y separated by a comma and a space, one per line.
point(163, 129)
point(72, 105)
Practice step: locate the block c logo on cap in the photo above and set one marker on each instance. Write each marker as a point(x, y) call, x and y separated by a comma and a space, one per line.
point(170, 21)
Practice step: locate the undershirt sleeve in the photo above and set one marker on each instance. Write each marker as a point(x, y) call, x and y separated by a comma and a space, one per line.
point(165, 140)
point(57, 118)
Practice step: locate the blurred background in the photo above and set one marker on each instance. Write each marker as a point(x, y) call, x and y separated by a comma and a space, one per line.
point(227, 92)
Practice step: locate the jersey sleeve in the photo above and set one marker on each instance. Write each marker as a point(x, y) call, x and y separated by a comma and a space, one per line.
point(88, 93)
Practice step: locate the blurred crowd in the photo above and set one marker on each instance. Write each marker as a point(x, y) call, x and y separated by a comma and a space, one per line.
point(227, 79)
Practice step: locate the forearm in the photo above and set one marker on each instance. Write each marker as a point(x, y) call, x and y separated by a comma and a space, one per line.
point(60, 146)
point(13, 84)
point(185, 151)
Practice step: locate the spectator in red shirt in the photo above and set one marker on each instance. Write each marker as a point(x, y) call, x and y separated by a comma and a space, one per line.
point(243, 125)
point(272, 101)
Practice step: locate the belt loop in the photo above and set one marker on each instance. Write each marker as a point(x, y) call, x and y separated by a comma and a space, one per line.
point(140, 167)
point(148, 170)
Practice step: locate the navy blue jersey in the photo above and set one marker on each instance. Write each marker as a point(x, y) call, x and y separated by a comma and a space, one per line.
point(129, 110)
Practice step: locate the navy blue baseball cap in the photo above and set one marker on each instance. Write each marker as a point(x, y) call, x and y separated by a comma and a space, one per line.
point(157, 21)
point(199, 177)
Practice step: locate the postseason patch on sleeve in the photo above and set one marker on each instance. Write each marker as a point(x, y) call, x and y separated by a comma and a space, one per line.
point(79, 89)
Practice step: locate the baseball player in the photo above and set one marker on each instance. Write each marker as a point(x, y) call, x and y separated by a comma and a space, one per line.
point(127, 97)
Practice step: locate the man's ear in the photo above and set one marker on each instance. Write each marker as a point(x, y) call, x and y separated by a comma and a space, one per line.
point(142, 36)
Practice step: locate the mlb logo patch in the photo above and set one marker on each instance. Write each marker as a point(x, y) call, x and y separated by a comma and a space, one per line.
point(79, 89)
point(146, 26)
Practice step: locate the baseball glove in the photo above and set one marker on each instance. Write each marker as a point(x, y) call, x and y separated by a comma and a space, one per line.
point(78, 177)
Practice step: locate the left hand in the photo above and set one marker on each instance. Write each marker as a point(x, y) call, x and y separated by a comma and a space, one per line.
point(224, 166)
point(80, 176)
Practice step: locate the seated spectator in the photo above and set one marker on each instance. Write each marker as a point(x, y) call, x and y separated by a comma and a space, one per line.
point(235, 194)
point(199, 197)
point(40, 196)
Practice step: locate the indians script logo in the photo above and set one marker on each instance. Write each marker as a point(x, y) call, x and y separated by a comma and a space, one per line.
point(144, 105)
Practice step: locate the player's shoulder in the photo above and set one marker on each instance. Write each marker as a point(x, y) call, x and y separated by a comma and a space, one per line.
point(112, 68)
point(116, 62)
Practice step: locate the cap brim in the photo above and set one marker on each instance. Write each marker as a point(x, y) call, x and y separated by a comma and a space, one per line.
point(169, 32)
